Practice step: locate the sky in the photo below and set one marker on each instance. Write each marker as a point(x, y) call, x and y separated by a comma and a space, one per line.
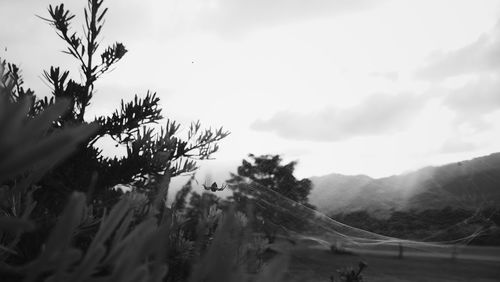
point(352, 87)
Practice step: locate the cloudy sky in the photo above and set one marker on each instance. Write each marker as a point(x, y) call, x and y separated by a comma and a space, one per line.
point(353, 87)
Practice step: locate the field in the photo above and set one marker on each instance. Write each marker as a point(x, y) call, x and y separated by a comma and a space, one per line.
point(314, 264)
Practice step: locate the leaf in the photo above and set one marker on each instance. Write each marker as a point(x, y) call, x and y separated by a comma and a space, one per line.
point(59, 239)
point(15, 225)
point(47, 151)
point(87, 268)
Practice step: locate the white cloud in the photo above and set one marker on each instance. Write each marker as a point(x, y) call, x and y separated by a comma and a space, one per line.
point(376, 115)
point(234, 17)
point(476, 98)
point(481, 56)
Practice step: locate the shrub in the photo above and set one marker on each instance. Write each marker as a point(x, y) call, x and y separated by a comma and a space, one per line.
point(349, 274)
point(150, 154)
point(77, 164)
point(49, 232)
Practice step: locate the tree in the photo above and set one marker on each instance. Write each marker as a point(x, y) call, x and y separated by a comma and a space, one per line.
point(150, 154)
point(268, 172)
point(270, 188)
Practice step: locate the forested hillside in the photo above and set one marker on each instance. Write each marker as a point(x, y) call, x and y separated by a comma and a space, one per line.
point(467, 184)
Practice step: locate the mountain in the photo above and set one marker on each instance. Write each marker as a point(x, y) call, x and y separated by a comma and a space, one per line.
point(467, 184)
point(336, 190)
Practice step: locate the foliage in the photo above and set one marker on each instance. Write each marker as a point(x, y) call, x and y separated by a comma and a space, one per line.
point(49, 232)
point(29, 147)
point(445, 224)
point(262, 175)
point(138, 240)
point(123, 251)
point(149, 155)
point(47, 145)
point(267, 171)
point(350, 275)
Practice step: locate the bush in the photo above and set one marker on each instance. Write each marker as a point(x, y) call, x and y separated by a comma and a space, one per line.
point(56, 187)
point(138, 240)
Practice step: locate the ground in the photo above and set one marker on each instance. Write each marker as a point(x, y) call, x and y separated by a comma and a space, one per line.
point(309, 264)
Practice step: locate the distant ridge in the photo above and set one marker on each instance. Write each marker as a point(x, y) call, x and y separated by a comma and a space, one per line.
point(468, 184)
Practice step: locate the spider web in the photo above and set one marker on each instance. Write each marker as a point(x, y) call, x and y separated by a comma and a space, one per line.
point(327, 232)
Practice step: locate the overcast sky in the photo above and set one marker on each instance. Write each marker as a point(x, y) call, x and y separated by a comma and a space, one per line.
point(353, 87)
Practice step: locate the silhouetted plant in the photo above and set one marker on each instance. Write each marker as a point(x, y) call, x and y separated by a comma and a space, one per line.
point(140, 239)
point(149, 153)
point(262, 175)
point(351, 275)
point(149, 250)
point(29, 147)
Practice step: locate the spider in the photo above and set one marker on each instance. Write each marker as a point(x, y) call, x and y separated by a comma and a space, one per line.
point(214, 187)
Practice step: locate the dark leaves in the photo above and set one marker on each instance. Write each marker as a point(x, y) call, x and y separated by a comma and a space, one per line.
point(83, 49)
point(126, 121)
point(28, 144)
point(61, 18)
point(112, 55)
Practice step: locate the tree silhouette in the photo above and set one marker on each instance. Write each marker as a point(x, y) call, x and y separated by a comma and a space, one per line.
point(254, 185)
point(150, 154)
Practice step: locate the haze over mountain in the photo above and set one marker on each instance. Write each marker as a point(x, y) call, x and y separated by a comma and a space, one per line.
point(467, 184)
